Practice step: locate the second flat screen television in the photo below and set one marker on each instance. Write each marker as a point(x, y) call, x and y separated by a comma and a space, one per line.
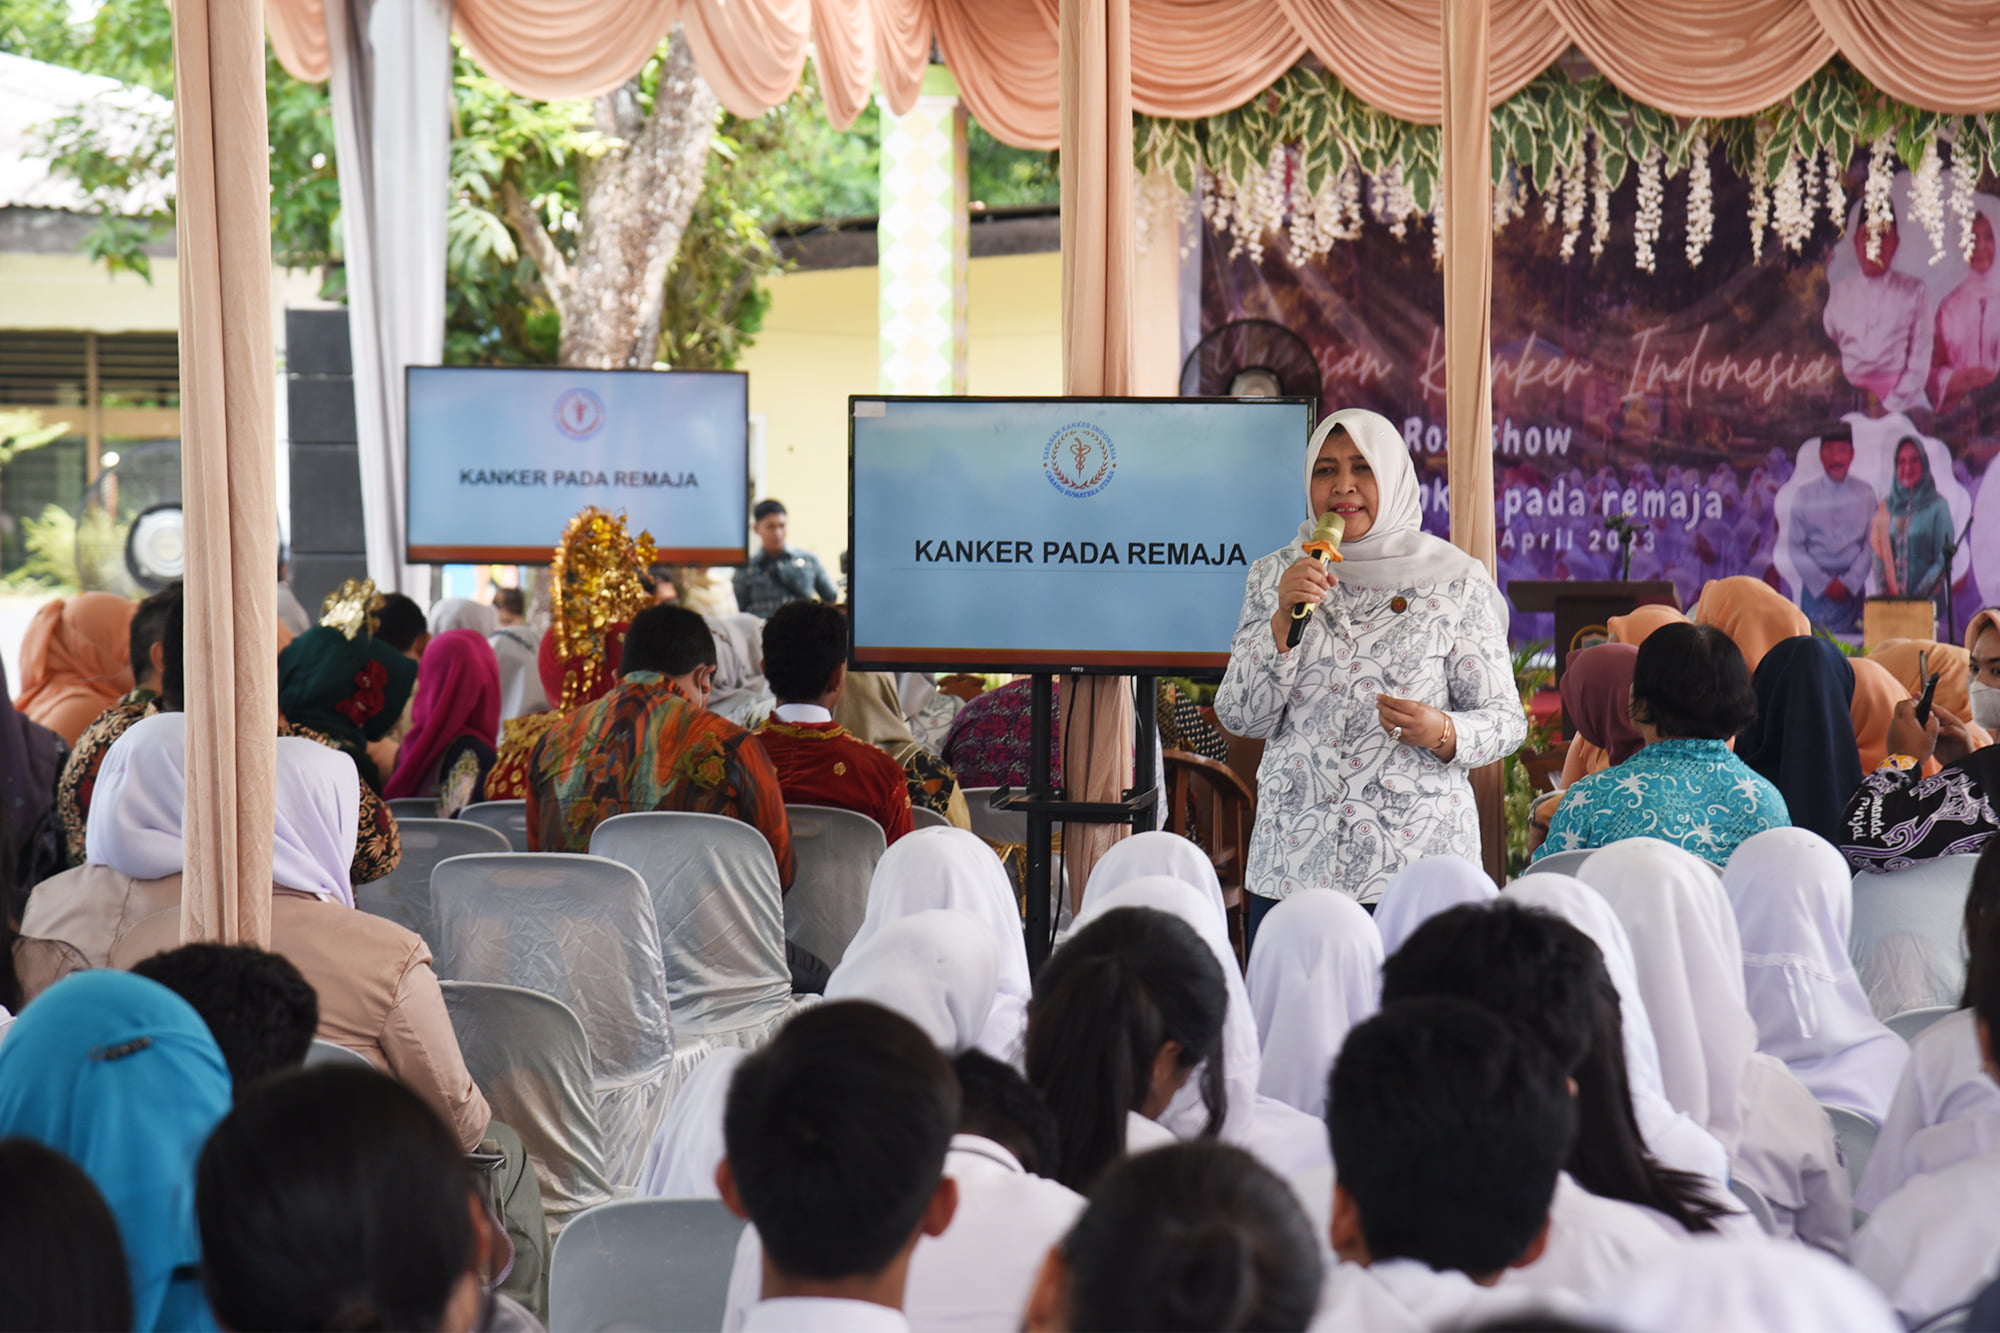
point(1023, 534)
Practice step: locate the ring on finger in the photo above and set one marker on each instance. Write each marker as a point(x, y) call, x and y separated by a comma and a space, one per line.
point(1395, 733)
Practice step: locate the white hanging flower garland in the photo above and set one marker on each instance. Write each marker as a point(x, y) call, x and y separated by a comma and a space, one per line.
point(1877, 202)
point(1701, 202)
point(1927, 198)
point(1652, 193)
point(1836, 191)
point(1964, 178)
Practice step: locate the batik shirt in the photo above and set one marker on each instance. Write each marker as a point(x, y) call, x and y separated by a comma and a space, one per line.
point(647, 746)
point(1897, 818)
point(1340, 803)
point(991, 738)
point(1692, 793)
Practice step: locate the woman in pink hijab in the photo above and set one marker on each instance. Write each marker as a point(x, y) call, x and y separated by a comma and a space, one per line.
point(453, 726)
point(76, 661)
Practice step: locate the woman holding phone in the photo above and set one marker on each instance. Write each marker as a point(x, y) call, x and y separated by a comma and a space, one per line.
point(1398, 687)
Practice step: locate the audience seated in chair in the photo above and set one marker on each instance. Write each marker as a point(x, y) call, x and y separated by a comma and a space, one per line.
point(650, 744)
point(820, 762)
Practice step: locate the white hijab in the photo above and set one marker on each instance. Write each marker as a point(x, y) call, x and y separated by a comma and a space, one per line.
point(934, 968)
point(948, 867)
point(1689, 961)
point(1422, 889)
point(1794, 904)
point(317, 800)
point(1674, 1140)
point(1315, 971)
point(464, 613)
point(1395, 553)
point(1186, 1115)
point(681, 1161)
point(139, 804)
point(1155, 853)
point(1756, 1283)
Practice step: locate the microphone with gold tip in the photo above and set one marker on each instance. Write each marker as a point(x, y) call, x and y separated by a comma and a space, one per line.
point(1325, 544)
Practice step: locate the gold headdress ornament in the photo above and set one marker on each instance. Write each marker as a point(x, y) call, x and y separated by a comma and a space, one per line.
point(351, 607)
point(595, 584)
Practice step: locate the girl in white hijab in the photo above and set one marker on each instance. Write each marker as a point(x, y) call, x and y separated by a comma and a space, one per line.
point(935, 968)
point(950, 868)
point(1689, 961)
point(1423, 889)
point(1315, 972)
point(1946, 1109)
point(1673, 1138)
point(1154, 853)
point(1400, 683)
point(1793, 898)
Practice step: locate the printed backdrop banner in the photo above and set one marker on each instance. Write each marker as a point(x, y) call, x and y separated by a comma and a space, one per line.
point(1669, 425)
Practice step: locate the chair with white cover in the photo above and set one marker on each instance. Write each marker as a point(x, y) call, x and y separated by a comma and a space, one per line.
point(644, 1264)
point(922, 816)
point(1855, 1135)
point(1912, 1023)
point(1562, 863)
point(326, 1053)
point(529, 1056)
point(404, 894)
point(579, 929)
point(721, 917)
point(1907, 940)
point(413, 807)
point(507, 818)
point(837, 851)
point(1760, 1209)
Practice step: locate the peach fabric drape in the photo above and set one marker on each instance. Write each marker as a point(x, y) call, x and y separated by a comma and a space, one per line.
point(1098, 273)
point(229, 479)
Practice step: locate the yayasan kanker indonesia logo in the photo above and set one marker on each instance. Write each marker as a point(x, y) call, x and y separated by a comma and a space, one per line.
point(1079, 460)
point(579, 414)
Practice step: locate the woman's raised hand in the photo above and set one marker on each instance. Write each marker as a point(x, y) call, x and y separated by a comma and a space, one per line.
point(1303, 581)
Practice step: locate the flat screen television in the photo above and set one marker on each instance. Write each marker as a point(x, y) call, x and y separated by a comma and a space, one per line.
point(501, 457)
point(1108, 535)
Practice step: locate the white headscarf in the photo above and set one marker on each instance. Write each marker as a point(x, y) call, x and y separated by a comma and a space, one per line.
point(1422, 889)
point(139, 804)
point(1155, 853)
point(934, 968)
point(1750, 1283)
point(1674, 1140)
point(948, 867)
point(1794, 904)
point(1689, 960)
point(1186, 1115)
point(681, 1161)
point(464, 613)
point(317, 799)
point(1396, 552)
point(1315, 972)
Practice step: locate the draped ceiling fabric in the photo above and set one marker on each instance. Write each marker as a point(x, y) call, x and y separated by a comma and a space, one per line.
point(1193, 58)
point(229, 481)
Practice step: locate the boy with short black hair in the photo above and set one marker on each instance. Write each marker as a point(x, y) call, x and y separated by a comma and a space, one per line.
point(259, 1008)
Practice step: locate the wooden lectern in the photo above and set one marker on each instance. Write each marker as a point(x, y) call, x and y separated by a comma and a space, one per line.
point(1582, 607)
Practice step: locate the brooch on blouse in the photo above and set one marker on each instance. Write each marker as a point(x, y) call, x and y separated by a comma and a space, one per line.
point(1399, 604)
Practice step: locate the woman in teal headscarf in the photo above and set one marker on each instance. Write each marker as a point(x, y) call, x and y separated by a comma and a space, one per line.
point(347, 686)
point(121, 1076)
point(1912, 529)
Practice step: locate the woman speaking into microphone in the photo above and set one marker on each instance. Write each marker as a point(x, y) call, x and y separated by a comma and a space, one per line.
point(1398, 686)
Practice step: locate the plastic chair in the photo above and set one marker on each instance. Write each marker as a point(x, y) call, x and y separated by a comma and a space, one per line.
point(721, 917)
point(1747, 1195)
point(922, 816)
point(1855, 1135)
point(529, 1056)
point(1906, 939)
point(578, 929)
point(837, 851)
point(1912, 1022)
point(414, 807)
point(404, 894)
point(644, 1264)
point(507, 818)
point(326, 1053)
point(1561, 863)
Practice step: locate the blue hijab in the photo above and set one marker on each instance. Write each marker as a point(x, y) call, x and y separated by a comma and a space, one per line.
point(1803, 738)
point(120, 1075)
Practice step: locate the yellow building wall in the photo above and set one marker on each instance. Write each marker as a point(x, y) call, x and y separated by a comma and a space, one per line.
point(74, 295)
point(819, 344)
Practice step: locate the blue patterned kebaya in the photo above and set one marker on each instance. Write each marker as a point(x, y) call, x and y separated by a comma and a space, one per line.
point(1695, 794)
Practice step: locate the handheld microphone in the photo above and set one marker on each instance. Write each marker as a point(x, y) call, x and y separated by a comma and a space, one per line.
point(1325, 544)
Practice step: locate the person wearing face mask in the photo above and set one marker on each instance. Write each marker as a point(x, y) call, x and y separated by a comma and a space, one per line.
point(1898, 817)
point(1399, 686)
point(652, 744)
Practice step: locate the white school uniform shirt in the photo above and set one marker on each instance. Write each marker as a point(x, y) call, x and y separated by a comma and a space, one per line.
point(822, 1314)
point(1788, 1152)
point(1934, 1244)
point(1593, 1241)
point(977, 1276)
point(1453, 1300)
point(1945, 1110)
point(1755, 1284)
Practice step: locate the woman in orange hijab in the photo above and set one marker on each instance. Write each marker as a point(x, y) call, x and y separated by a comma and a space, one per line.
point(1876, 694)
point(1953, 666)
point(76, 661)
point(1752, 613)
